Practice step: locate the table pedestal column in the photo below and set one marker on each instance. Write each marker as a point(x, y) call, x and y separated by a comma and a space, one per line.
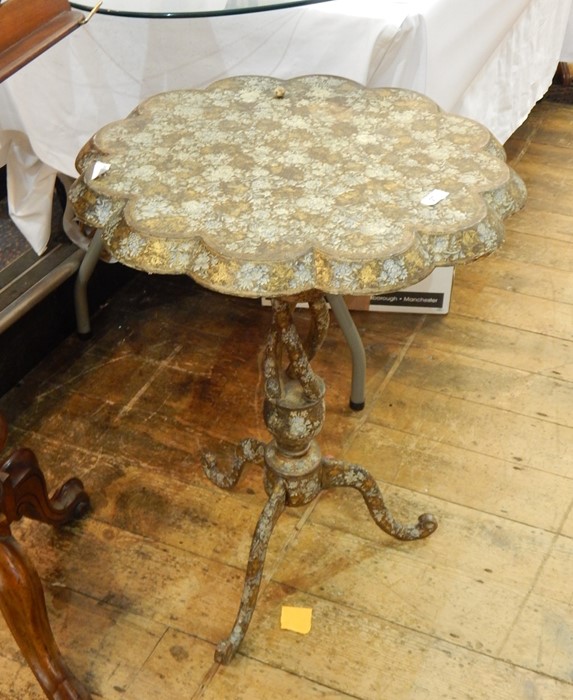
point(295, 471)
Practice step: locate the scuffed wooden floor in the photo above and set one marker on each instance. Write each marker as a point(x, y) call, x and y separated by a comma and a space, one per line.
point(469, 416)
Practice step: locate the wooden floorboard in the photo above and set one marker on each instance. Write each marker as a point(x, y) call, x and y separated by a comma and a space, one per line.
point(468, 416)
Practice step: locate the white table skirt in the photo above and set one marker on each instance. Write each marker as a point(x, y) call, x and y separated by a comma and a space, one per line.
point(567, 48)
point(103, 70)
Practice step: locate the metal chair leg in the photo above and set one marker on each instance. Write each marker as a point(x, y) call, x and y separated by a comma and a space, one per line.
point(346, 323)
point(85, 272)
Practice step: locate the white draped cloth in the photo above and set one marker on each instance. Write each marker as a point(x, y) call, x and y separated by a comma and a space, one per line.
point(487, 60)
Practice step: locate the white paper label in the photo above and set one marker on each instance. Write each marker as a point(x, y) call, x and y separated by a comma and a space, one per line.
point(98, 169)
point(434, 197)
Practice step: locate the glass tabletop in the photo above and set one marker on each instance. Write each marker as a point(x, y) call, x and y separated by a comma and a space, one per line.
point(187, 8)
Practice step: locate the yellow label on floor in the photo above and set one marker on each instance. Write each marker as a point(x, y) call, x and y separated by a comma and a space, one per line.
point(296, 619)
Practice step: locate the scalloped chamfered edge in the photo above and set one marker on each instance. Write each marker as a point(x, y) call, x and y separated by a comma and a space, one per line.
point(236, 272)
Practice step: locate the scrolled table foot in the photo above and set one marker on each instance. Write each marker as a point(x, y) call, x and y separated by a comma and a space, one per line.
point(275, 505)
point(248, 450)
point(339, 473)
point(427, 523)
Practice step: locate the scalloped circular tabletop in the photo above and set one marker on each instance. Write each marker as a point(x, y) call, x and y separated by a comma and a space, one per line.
point(260, 187)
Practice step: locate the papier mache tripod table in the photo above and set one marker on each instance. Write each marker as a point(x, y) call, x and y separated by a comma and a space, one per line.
point(293, 190)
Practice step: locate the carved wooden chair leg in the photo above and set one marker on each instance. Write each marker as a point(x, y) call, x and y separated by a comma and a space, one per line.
point(339, 473)
point(267, 520)
point(23, 492)
point(24, 608)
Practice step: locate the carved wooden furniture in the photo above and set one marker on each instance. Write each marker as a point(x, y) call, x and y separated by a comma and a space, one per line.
point(290, 190)
point(563, 73)
point(23, 493)
point(29, 27)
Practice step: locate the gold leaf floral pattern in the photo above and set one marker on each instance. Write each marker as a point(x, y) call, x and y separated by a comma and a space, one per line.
point(260, 187)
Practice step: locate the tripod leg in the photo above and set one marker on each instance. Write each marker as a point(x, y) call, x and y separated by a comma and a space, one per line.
point(267, 520)
point(339, 473)
point(248, 450)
